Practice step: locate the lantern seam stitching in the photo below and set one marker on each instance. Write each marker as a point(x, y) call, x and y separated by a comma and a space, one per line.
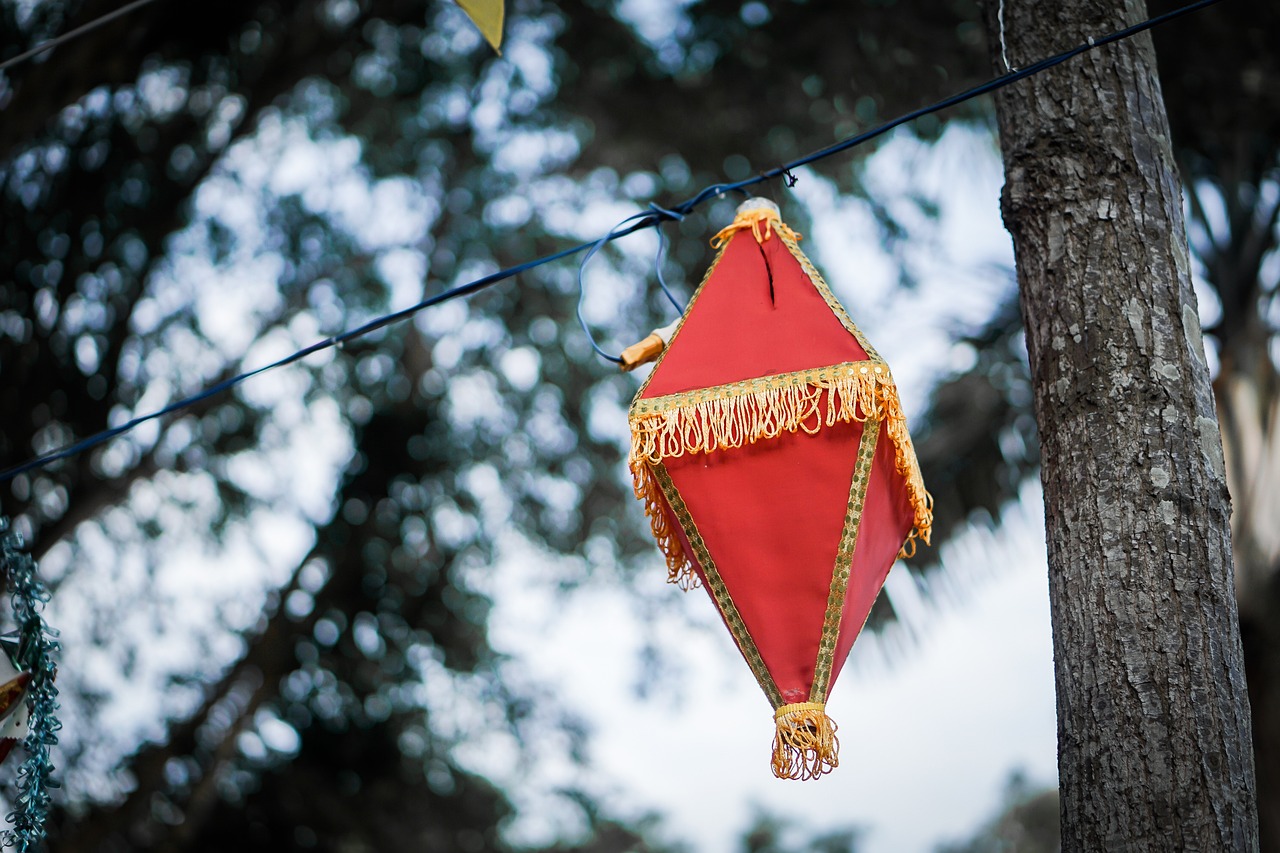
point(843, 567)
point(645, 488)
point(693, 300)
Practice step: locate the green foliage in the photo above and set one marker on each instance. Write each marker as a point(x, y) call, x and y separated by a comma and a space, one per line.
point(1028, 822)
point(979, 442)
point(772, 834)
point(136, 218)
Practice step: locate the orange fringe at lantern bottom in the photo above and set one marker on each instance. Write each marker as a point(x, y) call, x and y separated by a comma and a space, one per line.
point(805, 745)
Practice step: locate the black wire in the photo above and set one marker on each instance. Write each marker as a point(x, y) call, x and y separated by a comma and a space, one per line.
point(582, 288)
point(337, 340)
point(967, 95)
point(70, 34)
point(657, 264)
point(646, 219)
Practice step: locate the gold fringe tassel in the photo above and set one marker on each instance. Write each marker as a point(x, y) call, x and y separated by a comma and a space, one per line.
point(679, 569)
point(761, 220)
point(854, 393)
point(805, 745)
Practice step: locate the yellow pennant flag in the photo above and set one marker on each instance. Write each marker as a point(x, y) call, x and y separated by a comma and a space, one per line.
point(487, 16)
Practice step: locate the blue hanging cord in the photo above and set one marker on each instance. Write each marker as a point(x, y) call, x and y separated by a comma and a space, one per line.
point(654, 216)
point(37, 650)
point(665, 214)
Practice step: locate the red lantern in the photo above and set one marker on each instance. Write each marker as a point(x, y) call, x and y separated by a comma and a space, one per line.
point(773, 459)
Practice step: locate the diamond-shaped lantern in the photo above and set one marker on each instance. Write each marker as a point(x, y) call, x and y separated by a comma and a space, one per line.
point(773, 459)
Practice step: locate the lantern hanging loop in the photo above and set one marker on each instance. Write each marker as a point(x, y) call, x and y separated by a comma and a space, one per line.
point(663, 215)
point(655, 214)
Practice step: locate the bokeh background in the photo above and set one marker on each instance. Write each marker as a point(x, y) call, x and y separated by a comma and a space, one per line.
point(398, 596)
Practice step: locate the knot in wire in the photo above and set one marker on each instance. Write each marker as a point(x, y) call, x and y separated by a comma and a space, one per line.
point(662, 213)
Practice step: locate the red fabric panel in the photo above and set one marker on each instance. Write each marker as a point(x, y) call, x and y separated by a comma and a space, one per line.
point(887, 518)
point(771, 515)
point(734, 331)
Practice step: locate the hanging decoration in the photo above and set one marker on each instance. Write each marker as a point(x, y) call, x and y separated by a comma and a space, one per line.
point(13, 698)
point(771, 453)
point(30, 653)
point(487, 15)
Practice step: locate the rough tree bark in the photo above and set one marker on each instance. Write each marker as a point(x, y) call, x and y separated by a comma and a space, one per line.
point(1153, 717)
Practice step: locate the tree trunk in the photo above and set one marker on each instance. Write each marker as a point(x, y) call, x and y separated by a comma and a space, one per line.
point(1153, 718)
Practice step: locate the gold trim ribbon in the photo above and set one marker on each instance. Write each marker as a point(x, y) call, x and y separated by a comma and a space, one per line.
point(734, 415)
point(719, 592)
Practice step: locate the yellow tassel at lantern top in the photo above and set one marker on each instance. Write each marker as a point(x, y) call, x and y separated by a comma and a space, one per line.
point(805, 744)
point(754, 213)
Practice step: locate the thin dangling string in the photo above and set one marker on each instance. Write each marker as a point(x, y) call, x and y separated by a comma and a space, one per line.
point(582, 288)
point(662, 253)
point(625, 226)
point(768, 269)
point(1004, 48)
